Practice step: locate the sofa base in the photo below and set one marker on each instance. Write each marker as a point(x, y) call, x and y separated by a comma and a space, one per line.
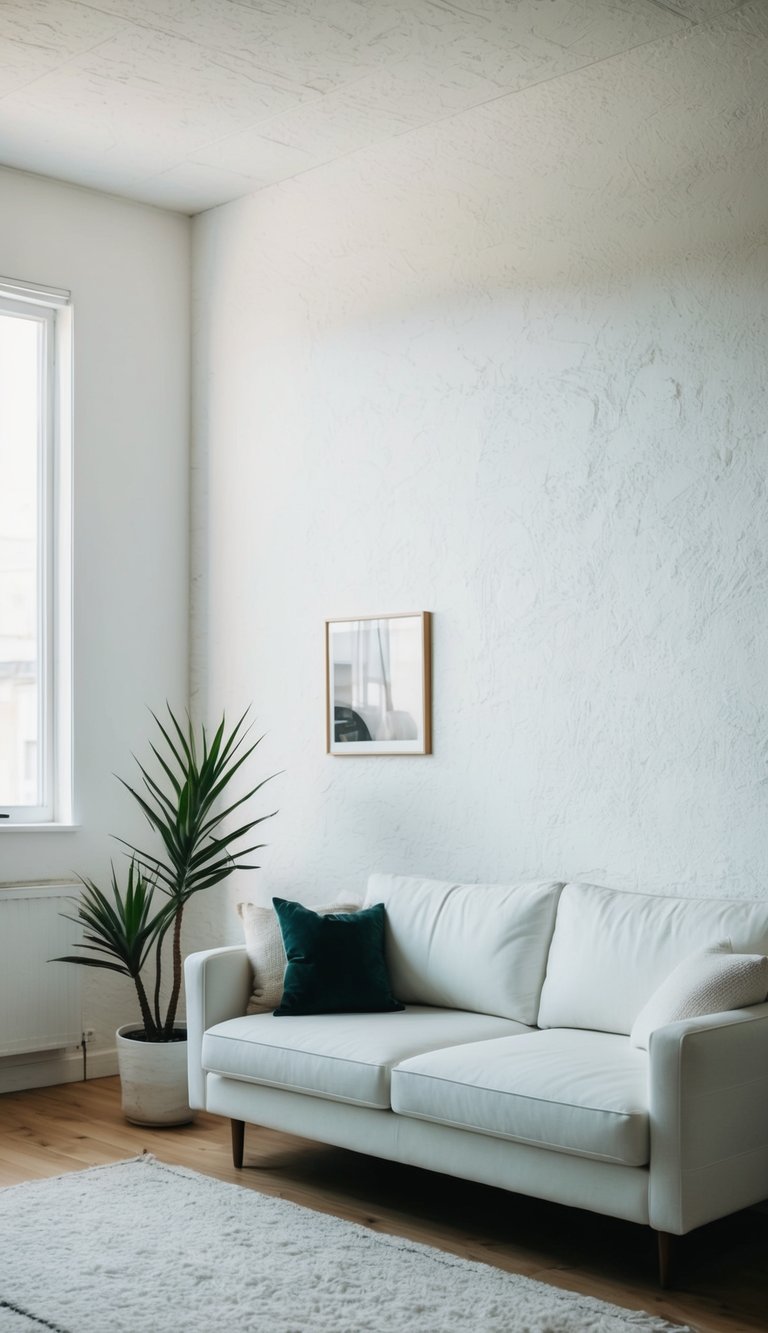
point(578, 1182)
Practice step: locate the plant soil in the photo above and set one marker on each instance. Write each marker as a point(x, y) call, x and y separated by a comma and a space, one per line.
point(140, 1035)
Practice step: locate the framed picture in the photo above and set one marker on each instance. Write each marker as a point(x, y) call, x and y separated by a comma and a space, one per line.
point(378, 675)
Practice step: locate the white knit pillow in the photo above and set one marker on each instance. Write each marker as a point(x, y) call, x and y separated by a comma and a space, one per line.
point(709, 981)
point(264, 946)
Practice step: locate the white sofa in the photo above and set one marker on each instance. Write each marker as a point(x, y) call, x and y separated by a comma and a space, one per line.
point(512, 1063)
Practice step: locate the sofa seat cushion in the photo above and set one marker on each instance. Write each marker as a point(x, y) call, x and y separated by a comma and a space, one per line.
point(346, 1057)
point(583, 1093)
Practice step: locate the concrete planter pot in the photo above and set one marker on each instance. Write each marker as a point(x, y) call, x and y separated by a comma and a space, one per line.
point(153, 1078)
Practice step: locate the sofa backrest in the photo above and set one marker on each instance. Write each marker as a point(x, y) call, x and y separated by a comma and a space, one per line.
point(480, 947)
point(610, 950)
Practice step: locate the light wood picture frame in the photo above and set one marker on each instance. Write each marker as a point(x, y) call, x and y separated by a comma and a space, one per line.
point(378, 684)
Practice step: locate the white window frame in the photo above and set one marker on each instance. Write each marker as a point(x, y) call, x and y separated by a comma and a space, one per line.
point(52, 308)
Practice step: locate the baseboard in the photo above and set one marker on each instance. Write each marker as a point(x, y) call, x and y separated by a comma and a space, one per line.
point(55, 1067)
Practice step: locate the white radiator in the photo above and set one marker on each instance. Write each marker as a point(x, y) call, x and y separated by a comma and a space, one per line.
point(40, 1007)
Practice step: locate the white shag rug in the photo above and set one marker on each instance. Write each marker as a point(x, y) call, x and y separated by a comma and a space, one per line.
point(141, 1247)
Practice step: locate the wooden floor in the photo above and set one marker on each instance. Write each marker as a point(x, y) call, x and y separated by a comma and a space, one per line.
point(722, 1270)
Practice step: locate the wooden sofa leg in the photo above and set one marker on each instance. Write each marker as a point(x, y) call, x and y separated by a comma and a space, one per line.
point(665, 1258)
point(238, 1141)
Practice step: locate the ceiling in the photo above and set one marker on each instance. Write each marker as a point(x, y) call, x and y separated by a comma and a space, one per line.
point(190, 103)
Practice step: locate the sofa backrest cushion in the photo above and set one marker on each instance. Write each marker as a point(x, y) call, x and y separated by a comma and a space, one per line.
point(480, 947)
point(610, 950)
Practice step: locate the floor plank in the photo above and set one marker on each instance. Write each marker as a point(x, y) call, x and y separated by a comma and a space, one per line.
point(722, 1270)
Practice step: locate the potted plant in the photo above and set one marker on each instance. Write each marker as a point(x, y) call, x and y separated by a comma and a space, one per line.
point(200, 844)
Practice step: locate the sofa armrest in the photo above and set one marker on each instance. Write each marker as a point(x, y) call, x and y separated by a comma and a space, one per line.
point(709, 1123)
point(218, 985)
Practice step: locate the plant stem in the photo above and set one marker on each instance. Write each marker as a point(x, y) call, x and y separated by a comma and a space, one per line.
point(158, 976)
point(150, 1029)
point(174, 1000)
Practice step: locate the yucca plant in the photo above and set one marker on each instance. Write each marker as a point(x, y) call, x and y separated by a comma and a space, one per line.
point(200, 844)
point(125, 929)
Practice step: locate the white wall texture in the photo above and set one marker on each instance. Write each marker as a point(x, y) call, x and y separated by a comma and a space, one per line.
point(509, 369)
point(128, 269)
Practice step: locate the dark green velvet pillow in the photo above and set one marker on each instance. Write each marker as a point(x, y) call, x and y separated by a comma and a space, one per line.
point(336, 962)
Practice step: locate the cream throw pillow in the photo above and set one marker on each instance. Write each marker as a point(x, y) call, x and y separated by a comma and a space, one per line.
point(264, 946)
point(709, 981)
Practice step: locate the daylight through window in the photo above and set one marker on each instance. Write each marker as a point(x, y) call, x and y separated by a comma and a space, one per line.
point(34, 493)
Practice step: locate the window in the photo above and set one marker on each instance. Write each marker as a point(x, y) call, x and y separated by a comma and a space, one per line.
point(35, 527)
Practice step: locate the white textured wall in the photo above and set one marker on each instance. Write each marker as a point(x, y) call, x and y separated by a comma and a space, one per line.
point(509, 369)
point(128, 269)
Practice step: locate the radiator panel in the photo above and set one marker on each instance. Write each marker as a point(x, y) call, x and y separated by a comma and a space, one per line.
point(40, 1001)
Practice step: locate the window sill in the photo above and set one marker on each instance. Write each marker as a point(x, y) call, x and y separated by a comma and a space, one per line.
point(6, 827)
